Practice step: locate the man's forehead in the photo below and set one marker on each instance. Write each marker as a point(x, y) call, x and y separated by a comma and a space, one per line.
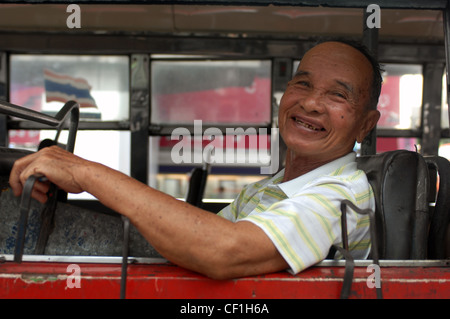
point(337, 52)
point(336, 55)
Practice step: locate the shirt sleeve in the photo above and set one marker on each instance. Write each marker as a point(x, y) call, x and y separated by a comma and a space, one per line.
point(304, 227)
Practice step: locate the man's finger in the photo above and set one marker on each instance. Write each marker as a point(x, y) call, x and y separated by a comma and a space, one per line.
point(16, 172)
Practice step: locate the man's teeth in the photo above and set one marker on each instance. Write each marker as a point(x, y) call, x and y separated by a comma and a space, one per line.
point(307, 125)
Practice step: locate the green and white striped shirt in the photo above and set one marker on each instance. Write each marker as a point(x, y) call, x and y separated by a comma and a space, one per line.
point(302, 216)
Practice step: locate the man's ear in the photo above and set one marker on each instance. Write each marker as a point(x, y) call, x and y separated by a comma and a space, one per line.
point(369, 121)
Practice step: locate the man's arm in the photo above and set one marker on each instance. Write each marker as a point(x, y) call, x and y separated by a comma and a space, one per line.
point(182, 233)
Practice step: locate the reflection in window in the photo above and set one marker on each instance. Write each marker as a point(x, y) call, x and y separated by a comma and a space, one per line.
point(401, 96)
point(39, 81)
point(211, 91)
point(107, 77)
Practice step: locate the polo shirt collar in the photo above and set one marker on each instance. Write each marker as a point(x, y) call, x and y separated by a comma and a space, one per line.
point(290, 188)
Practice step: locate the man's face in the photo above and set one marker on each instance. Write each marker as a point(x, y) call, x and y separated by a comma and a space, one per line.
point(322, 110)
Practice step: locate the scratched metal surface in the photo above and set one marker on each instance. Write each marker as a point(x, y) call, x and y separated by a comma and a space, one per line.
point(77, 231)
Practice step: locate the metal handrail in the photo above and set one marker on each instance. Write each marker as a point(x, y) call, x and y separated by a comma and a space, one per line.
point(349, 262)
point(71, 108)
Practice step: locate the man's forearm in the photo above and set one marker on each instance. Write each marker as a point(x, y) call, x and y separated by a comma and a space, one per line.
point(184, 234)
point(174, 228)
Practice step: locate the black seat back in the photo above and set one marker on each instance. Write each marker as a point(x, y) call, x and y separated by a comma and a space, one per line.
point(197, 184)
point(400, 182)
point(7, 158)
point(438, 240)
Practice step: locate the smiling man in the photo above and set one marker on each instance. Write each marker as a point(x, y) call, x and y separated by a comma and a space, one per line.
point(327, 106)
point(288, 221)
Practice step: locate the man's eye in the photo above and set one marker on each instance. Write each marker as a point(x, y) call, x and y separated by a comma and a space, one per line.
point(303, 83)
point(339, 95)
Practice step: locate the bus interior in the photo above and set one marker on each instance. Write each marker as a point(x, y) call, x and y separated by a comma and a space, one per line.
point(154, 69)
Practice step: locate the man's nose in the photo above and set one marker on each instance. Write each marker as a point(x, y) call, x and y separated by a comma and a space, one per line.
point(314, 102)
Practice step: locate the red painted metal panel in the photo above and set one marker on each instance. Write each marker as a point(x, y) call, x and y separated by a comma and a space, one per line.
point(166, 281)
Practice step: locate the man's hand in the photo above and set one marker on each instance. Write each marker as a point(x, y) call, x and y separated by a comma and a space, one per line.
point(57, 165)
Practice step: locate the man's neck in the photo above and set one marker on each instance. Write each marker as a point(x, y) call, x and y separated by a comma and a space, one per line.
point(299, 165)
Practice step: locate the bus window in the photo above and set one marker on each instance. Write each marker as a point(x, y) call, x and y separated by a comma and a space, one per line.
point(216, 92)
point(111, 148)
point(400, 105)
point(401, 96)
point(39, 82)
point(230, 94)
point(385, 144)
point(444, 144)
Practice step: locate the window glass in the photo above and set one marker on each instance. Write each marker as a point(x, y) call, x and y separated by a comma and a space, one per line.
point(385, 144)
point(444, 148)
point(237, 161)
point(444, 145)
point(401, 96)
point(100, 84)
point(444, 104)
point(110, 148)
point(218, 188)
point(215, 92)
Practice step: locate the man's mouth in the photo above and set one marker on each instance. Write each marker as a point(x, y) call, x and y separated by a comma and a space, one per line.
point(308, 125)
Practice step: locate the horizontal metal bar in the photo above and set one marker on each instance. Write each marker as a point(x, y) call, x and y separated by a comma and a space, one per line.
point(82, 125)
point(83, 259)
point(164, 129)
point(167, 129)
point(412, 4)
point(161, 130)
point(148, 260)
point(71, 109)
point(387, 263)
point(220, 46)
point(381, 132)
point(392, 132)
point(28, 114)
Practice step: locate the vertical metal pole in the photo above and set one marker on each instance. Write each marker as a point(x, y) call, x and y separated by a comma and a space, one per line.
point(125, 249)
point(370, 40)
point(4, 140)
point(139, 116)
point(446, 14)
point(139, 124)
point(431, 108)
point(282, 71)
